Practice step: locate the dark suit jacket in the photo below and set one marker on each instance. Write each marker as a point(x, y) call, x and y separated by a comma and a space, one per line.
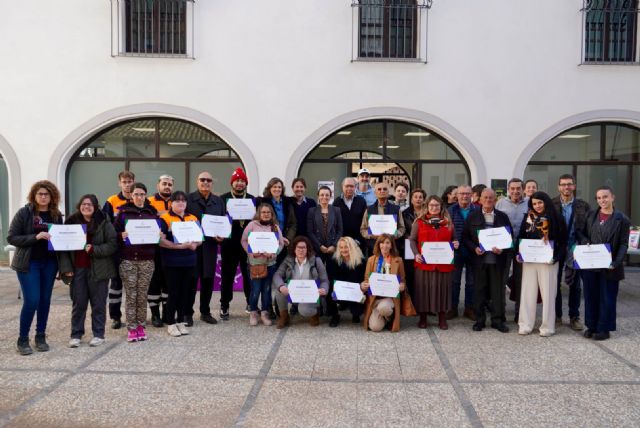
point(352, 218)
point(207, 252)
point(290, 224)
point(315, 227)
point(475, 222)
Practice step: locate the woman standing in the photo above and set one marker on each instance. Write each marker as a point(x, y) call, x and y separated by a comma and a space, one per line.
point(380, 311)
point(285, 215)
point(324, 225)
point(90, 270)
point(450, 196)
point(347, 264)
point(542, 222)
point(179, 261)
point(301, 263)
point(136, 266)
point(432, 286)
point(35, 265)
point(409, 215)
point(605, 225)
point(261, 265)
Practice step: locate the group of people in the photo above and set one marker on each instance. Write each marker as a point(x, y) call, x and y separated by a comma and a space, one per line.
point(327, 240)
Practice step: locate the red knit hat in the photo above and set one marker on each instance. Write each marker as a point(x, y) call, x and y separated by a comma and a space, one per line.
point(238, 174)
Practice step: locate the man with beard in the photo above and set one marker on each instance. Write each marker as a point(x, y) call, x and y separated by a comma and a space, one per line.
point(158, 293)
point(232, 251)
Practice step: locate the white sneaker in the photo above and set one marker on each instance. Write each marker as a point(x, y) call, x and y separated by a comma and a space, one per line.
point(182, 328)
point(173, 330)
point(74, 343)
point(96, 341)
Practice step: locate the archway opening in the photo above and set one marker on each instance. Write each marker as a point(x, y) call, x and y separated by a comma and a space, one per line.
point(393, 151)
point(4, 211)
point(149, 147)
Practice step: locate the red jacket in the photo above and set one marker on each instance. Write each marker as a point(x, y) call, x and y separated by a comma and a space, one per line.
point(428, 233)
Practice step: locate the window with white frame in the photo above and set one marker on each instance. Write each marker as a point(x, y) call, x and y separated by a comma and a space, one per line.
point(162, 28)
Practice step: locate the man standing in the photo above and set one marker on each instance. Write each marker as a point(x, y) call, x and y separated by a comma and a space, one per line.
point(381, 206)
point(302, 204)
point(352, 207)
point(401, 194)
point(574, 212)
point(158, 292)
point(111, 209)
point(202, 202)
point(530, 187)
point(232, 251)
point(489, 264)
point(463, 257)
point(364, 187)
point(515, 206)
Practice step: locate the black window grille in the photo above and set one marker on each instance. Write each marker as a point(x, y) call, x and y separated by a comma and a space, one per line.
point(390, 29)
point(610, 31)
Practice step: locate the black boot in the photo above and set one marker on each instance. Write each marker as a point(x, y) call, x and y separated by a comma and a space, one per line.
point(23, 346)
point(335, 320)
point(155, 316)
point(41, 343)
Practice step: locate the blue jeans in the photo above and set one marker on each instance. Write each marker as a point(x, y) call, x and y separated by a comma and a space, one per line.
point(261, 288)
point(600, 296)
point(36, 285)
point(572, 279)
point(462, 262)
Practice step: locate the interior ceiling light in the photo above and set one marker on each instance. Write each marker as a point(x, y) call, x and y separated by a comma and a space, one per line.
point(177, 143)
point(344, 133)
point(328, 146)
point(574, 136)
point(417, 134)
point(390, 147)
point(144, 129)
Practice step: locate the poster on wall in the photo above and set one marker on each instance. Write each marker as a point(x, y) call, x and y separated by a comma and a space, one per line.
point(331, 185)
point(499, 185)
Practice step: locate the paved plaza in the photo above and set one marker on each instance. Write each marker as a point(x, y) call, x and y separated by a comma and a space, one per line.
point(232, 374)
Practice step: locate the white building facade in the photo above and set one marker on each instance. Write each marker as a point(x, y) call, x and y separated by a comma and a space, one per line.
point(430, 92)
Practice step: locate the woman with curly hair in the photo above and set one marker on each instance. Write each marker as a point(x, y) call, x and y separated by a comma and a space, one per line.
point(35, 265)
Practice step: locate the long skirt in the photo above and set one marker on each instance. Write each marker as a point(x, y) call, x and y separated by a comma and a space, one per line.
point(432, 291)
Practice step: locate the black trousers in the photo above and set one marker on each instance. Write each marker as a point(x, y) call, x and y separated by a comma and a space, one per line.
point(232, 255)
point(84, 292)
point(181, 281)
point(206, 291)
point(489, 287)
point(157, 294)
point(356, 309)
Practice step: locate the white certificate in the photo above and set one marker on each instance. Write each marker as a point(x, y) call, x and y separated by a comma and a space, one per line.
point(186, 231)
point(216, 225)
point(596, 256)
point(535, 251)
point(263, 242)
point(408, 252)
point(347, 291)
point(382, 223)
point(142, 232)
point(495, 237)
point(241, 209)
point(67, 237)
point(384, 285)
point(437, 253)
point(303, 291)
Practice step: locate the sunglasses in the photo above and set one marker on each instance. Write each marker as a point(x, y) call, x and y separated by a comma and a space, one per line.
point(205, 180)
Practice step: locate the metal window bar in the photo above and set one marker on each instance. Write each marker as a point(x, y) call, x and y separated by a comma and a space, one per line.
point(610, 32)
point(154, 28)
point(390, 30)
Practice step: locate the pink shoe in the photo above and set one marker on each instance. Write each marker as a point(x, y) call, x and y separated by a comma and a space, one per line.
point(132, 336)
point(142, 335)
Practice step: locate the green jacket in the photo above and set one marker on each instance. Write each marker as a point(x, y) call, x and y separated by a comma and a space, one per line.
point(104, 244)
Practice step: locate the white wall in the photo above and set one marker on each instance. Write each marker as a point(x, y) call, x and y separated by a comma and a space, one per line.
point(273, 73)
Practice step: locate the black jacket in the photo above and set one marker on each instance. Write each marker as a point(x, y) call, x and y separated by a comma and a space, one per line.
point(352, 218)
point(315, 227)
point(614, 231)
point(23, 237)
point(290, 224)
point(475, 222)
point(237, 226)
point(578, 216)
point(557, 234)
point(104, 243)
point(207, 253)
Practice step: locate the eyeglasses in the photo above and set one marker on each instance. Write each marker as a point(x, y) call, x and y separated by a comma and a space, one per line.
point(301, 247)
point(566, 184)
point(88, 204)
point(205, 180)
point(43, 194)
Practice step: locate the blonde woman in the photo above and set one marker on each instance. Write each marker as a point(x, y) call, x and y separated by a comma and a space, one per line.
point(347, 264)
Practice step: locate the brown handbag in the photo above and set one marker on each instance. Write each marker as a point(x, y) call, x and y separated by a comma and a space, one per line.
point(257, 271)
point(406, 305)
